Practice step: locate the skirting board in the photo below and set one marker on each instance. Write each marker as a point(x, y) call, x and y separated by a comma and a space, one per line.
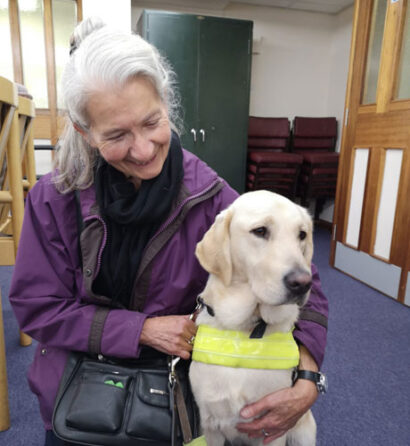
point(375, 273)
point(407, 295)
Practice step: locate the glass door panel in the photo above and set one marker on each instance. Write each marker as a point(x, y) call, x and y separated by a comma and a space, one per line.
point(33, 49)
point(64, 22)
point(403, 90)
point(6, 60)
point(374, 51)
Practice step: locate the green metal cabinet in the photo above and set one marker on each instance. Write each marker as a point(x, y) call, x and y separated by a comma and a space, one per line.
point(212, 59)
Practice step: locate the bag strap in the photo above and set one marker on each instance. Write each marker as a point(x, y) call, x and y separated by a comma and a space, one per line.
point(182, 413)
point(178, 405)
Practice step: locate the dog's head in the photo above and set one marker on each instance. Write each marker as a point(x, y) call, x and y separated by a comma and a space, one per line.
point(265, 240)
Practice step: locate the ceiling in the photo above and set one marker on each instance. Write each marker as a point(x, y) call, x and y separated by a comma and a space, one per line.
point(326, 6)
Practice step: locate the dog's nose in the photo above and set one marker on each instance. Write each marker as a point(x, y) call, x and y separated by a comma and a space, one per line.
point(298, 281)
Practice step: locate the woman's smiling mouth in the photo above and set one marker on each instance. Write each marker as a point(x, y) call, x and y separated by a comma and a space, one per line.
point(145, 163)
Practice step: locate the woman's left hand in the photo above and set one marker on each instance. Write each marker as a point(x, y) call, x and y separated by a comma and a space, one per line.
point(278, 412)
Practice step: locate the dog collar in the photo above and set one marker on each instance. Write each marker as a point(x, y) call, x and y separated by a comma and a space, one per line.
point(201, 304)
point(235, 349)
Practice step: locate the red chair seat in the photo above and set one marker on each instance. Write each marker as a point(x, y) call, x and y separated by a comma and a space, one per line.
point(278, 170)
point(270, 179)
point(274, 157)
point(321, 157)
point(267, 143)
point(331, 171)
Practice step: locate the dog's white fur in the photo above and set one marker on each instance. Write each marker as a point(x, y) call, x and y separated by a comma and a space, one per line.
point(246, 284)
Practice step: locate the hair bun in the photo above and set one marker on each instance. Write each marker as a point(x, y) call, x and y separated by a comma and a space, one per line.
point(83, 29)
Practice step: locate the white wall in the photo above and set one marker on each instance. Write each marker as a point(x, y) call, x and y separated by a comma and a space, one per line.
point(290, 73)
point(117, 14)
point(339, 65)
point(302, 65)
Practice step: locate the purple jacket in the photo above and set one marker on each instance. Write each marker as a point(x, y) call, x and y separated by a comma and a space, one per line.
point(52, 295)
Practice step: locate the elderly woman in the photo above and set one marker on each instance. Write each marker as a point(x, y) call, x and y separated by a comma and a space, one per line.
point(132, 279)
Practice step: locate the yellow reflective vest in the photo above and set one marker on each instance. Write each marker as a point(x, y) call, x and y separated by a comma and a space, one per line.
point(235, 349)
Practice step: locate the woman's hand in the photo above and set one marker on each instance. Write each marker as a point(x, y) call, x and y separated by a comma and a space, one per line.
point(169, 334)
point(279, 411)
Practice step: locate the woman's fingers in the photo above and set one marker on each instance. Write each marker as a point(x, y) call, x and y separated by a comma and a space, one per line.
point(169, 334)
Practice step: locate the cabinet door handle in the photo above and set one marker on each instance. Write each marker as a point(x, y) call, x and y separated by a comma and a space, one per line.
point(193, 131)
point(202, 132)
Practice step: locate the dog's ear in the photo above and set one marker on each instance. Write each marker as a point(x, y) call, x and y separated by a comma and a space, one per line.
point(214, 250)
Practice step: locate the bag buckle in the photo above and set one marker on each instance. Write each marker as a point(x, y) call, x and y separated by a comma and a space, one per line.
point(172, 374)
point(197, 309)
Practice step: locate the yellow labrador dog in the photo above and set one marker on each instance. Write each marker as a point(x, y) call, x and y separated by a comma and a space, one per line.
point(258, 254)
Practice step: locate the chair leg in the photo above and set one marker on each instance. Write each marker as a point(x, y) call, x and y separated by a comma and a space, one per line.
point(4, 400)
point(25, 340)
point(304, 199)
point(320, 202)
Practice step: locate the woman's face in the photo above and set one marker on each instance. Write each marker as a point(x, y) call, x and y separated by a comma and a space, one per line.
point(130, 128)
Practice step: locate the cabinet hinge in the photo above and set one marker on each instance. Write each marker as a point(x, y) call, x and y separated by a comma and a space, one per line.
point(346, 117)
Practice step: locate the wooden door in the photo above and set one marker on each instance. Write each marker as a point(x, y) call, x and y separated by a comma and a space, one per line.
point(371, 228)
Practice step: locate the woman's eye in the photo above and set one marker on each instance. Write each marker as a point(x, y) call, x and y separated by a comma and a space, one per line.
point(302, 235)
point(152, 124)
point(116, 137)
point(261, 232)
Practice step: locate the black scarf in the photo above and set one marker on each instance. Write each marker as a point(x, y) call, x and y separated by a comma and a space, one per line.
point(132, 217)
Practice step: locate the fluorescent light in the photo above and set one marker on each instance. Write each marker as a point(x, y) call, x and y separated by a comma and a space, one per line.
point(28, 5)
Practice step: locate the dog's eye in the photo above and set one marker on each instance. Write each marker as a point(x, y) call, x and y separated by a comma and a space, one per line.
point(302, 235)
point(261, 232)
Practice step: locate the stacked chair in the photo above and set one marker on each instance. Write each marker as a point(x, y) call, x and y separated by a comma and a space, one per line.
point(11, 186)
point(315, 140)
point(16, 151)
point(25, 115)
point(16, 157)
point(270, 166)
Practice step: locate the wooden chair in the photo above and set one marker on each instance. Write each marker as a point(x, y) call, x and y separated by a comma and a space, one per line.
point(11, 190)
point(26, 114)
point(11, 178)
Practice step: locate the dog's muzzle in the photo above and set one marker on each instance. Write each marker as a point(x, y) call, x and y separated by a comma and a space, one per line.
point(297, 282)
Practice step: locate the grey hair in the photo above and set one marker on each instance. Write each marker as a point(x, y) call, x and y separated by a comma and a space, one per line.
point(101, 58)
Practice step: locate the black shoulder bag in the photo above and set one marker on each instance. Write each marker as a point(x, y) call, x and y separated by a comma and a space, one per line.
point(140, 402)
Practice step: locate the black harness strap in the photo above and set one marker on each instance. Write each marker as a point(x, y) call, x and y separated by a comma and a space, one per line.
point(259, 330)
point(209, 309)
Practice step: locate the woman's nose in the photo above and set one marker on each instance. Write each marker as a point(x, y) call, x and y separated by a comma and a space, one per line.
point(141, 148)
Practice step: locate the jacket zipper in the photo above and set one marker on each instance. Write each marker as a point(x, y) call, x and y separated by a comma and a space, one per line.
point(177, 212)
point(103, 243)
point(167, 223)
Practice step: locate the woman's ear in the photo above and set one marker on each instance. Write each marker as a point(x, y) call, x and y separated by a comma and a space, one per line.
point(83, 133)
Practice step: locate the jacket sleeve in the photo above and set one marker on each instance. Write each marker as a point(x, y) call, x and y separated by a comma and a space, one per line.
point(311, 328)
point(43, 291)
